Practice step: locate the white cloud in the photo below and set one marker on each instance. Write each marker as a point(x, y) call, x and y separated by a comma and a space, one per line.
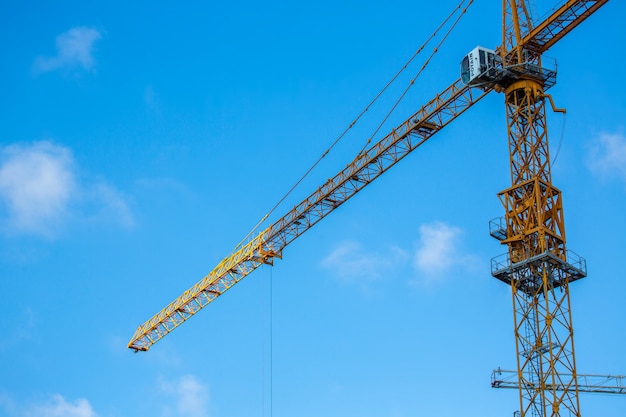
point(111, 203)
point(190, 395)
point(436, 247)
point(40, 192)
point(74, 49)
point(60, 407)
point(7, 405)
point(350, 262)
point(607, 157)
point(438, 250)
point(36, 184)
point(56, 407)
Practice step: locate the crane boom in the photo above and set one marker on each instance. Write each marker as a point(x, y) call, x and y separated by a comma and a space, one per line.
point(269, 243)
point(365, 168)
point(559, 24)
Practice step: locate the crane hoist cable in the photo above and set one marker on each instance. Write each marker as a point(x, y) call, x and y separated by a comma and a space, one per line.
point(462, 7)
point(405, 138)
point(561, 137)
point(335, 142)
point(412, 81)
point(271, 346)
point(389, 113)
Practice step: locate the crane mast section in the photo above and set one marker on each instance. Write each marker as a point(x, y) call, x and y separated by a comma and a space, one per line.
point(535, 229)
point(268, 244)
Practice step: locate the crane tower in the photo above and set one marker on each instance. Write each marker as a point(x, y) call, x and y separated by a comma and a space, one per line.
point(538, 267)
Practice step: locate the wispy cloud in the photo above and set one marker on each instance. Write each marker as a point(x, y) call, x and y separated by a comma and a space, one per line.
point(607, 156)
point(57, 406)
point(40, 191)
point(352, 263)
point(110, 204)
point(60, 407)
point(191, 397)
point(36, 183)
point(7, 405)
point(74, 50)
point(438, 251)
point(21, 328)
point(437, 244)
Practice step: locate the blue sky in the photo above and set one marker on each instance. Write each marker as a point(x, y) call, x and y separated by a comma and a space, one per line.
point(141, 141)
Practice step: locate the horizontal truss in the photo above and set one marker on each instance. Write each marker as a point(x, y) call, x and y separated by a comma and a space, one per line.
point(600, 384)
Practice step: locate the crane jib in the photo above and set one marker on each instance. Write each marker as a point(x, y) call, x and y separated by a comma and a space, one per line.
point(366, 167)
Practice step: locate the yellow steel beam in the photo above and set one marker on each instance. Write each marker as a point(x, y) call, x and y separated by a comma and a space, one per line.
point(592, 383)
point(535, 235)
point(365, 168)
point(560, 23)
point(228, 272)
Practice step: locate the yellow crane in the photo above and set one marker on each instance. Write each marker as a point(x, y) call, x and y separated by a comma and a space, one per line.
point(537, 266)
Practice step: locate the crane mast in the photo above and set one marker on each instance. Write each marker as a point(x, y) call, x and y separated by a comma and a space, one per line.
point(538, 266)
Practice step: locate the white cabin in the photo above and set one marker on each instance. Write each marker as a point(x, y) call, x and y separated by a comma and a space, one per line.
point(479, 66)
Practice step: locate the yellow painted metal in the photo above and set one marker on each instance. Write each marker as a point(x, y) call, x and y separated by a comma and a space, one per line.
point(539, 275)
point(555, 109)
point(535, 226)
point(365, 168)
point(538, 271)
point(562, 21)
point(520, 34)
point(591, 383)
point(230, 270)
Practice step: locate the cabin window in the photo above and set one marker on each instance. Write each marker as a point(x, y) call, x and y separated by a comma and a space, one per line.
point(465, 70)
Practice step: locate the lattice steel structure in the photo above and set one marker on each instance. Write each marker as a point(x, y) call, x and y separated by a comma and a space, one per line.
point(538, 267)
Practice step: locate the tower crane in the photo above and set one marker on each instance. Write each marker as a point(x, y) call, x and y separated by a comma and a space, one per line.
point(537, 266)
